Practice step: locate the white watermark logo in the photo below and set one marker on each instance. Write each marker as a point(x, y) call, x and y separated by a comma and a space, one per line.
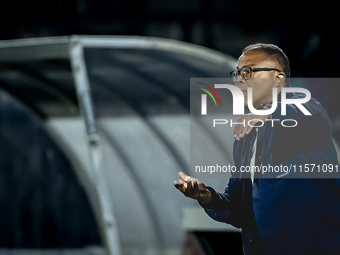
point(238, 100)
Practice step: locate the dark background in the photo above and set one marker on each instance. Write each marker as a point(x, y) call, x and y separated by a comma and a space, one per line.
point(305, 30)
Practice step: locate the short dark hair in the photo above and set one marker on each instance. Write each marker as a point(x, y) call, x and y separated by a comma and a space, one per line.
point(272, 51)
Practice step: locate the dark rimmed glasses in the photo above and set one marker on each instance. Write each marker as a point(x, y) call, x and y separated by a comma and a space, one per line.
point(246, 72)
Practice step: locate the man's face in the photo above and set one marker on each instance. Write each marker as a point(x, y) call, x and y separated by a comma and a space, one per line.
point(262, 88)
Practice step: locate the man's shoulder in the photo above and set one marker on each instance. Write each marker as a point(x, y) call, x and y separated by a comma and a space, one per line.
point(312, 101)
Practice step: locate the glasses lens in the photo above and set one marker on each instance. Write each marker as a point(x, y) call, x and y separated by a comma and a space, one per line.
point(245, 72)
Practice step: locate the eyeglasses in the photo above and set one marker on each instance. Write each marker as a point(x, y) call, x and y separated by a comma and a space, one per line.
point(246, 72)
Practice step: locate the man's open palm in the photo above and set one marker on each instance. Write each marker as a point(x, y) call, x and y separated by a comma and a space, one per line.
point(192, 187)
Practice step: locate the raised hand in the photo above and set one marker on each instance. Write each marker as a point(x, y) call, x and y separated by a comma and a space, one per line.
point(193, 188)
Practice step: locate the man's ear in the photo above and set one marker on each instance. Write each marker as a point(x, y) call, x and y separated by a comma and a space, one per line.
point(280, 79)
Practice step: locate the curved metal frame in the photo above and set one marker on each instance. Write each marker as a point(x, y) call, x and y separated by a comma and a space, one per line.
point(72, 48)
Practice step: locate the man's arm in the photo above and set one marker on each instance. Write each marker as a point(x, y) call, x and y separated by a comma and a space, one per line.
point(219, 206)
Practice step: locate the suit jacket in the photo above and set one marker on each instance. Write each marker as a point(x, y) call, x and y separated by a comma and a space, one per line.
point(282, 213)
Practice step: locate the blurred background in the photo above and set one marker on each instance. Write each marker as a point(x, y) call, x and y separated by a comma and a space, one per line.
point(94, 128)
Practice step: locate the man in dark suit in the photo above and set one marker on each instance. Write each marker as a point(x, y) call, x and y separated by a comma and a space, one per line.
point(278, 213)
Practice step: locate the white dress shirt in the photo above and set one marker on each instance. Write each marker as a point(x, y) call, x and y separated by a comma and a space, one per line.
point(252, 160)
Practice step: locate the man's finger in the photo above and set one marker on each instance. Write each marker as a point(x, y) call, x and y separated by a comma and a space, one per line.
point(184, 177)
point(240, 131)
point(196, 191)
point(182, 189)
point(236, 130)
point(190, 189)
point(243, 130)
point(176, 184)
point(249, 128)
point(183, 183)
